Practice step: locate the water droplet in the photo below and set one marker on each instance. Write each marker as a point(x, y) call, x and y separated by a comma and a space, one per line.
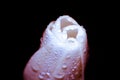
point(76, 73)
point(75, 63)
point(74, 60)
point(73, 69)
point(72, 76)
point(69, 73)
point(48, 74)
point(59, 76)
point(41, 77)
point(42, 73)
point(35, 68)
point(56, 53)
point(64, 66)
point(68, 57)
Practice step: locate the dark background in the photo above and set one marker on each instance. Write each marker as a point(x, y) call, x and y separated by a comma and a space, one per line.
point(28, 22)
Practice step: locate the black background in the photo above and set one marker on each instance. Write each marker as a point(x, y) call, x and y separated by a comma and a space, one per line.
point(28, 22)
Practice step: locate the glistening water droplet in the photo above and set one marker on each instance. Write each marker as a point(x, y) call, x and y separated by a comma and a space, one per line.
point(72, 76)
point(73, 69)
point(48, 74)
point(40, 77)
point(35, 68)
point(76, 73)
point(64, 66)
point(68, 57)
point(59, 76)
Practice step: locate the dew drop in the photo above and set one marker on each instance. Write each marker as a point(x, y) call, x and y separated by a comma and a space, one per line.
point(48, 74)
point(41, 77)
point(64, 66)
point(75, 63)
point(59, 76)
point(68, 57)
point(35, 68)
point(69, 73)
point(76, 73)
point(73, 69)
point(72, 76)
point(43, 73)
point(56, 53)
